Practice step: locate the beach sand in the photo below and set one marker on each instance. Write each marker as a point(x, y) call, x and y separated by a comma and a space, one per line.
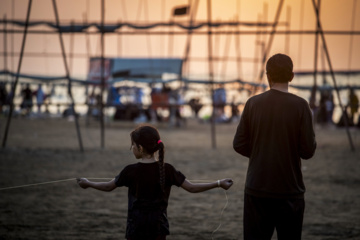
point(43, 150)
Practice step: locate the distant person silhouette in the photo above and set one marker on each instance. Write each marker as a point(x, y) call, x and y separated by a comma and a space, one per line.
point(3, 95)
point(196, 106)
point(219, 100)
point(353, 105)
point(27, 102)
point(40, 97)
point(275, 132)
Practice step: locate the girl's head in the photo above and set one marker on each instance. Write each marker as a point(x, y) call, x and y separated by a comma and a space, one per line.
point(147, 138)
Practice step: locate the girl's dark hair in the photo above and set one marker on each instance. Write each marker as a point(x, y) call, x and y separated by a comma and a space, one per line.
point(148, 137)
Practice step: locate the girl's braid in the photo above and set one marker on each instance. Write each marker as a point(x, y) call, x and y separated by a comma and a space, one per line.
point(149, 138)
point(161, 166)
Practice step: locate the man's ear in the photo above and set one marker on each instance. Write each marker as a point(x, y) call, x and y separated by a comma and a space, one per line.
point(269, 79)
point(141, 149)
point(292, 77)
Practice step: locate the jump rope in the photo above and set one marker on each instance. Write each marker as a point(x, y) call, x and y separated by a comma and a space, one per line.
point(72, 179)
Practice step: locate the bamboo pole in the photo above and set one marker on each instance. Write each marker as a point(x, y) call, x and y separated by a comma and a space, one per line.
point(68, 78)
point(226, 55)
point(258, 42)
point(301, 23)
point(102, 130)
point(211, 76)
point(243, 32)
point(12, 35)
point(17, 76)
point(332, 74)
point(87, 56)
point(268, 46)
point(71, 55)
point(186, 64)
point(287, 36)
point(237, 42)
point(351, 40)
point(316, 60)
point(5, 47)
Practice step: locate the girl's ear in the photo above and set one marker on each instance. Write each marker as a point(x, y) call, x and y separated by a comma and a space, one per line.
point(141, 149)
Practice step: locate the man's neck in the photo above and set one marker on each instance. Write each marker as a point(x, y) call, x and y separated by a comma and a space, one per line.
point(283, 87)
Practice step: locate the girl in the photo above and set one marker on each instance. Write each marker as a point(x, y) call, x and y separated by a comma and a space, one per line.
point(149, 182)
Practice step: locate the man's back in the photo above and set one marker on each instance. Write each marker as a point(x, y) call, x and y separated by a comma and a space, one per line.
point(275, 132)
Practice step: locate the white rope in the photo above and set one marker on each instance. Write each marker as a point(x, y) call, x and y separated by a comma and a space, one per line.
point(72, 179)
point(223, 209)
point(50, 182)
point(222, 212)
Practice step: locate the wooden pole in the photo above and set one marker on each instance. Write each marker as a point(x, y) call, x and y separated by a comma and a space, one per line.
point(287, 36)
point(352, 36)
point(148, 36)
point(120, 38)
point(316, 59)
point(12, 35)
point(68, 77)
point(88, 56)
point(5, 47)
point(159, 33)
point(333, 75)
point(171, 38)
point(102, 76)
point(257, 46)
point(71, 57)
point(17, 76)
point(186, 63)
point(237, 42)
point(301, 22)
point(226, 55)
point(272, 34)
point(211, 75)
point(119, 43)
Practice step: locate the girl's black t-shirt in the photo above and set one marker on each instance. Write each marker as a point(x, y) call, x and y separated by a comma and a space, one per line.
point(147, 203)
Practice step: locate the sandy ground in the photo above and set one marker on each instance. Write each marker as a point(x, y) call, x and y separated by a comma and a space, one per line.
point(42, 150)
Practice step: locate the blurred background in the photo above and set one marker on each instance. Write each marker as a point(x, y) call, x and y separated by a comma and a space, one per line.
point(215, 45)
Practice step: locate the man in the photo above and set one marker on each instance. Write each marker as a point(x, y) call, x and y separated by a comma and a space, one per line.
point(275, 132)
point(40, 97)
point(353, 104)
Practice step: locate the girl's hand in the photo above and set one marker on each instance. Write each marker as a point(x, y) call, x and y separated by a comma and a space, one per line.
point(226, 183)
point(83, 182)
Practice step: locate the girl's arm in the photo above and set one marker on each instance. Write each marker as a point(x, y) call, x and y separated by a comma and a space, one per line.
point(201, 187)
point(102, 186)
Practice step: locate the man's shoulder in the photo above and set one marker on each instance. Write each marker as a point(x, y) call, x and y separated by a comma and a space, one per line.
point(272, 92)
point(258, 96)
point(298, 99)
point(272, 95)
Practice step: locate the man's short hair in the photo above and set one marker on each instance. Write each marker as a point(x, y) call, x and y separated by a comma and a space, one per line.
point(280, 68)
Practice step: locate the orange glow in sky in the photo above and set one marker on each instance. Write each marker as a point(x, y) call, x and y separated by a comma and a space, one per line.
point(335, 15)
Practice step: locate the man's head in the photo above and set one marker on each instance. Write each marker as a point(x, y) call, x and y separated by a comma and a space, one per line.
point(279, 69)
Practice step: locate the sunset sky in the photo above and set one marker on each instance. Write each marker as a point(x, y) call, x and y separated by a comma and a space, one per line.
point(335, 15)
